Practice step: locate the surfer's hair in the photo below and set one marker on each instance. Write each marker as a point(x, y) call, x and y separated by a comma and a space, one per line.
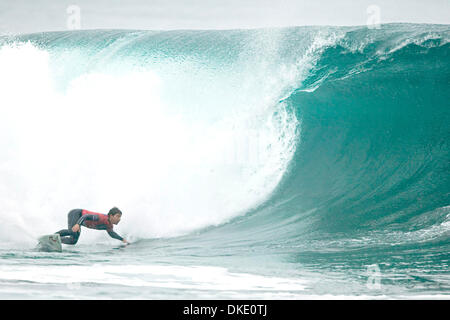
point(114, 211)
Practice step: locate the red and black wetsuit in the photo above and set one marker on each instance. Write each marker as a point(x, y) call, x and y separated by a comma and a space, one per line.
point(89, 219)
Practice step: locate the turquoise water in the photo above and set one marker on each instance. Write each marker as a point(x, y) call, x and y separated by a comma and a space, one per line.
point(284, 163)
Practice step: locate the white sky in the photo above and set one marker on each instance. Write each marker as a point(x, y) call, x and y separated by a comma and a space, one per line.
point(24, 16)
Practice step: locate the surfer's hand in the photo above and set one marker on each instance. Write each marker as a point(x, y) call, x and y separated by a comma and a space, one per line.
point(76, 228)
point(125, 241)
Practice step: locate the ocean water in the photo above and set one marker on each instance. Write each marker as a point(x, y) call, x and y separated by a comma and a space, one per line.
point(276, 163)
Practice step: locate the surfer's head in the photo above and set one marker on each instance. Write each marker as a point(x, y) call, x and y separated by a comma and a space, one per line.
point(114, 215)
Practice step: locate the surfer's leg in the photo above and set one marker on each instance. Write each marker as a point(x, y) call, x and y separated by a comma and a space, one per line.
point(70, 239)
point(73, 217)
point(67, 235)
point(64, 232)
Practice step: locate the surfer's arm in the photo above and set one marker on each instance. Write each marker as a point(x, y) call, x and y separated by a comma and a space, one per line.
point(114, 235)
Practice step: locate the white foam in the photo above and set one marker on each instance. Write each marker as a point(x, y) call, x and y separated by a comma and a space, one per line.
point(198, 278)
point(113, 138)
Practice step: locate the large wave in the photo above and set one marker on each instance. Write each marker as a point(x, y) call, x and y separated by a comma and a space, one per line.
point(294, 131)
point(372, 160)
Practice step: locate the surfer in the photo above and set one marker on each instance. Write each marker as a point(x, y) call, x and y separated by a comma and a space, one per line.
point(92, 220)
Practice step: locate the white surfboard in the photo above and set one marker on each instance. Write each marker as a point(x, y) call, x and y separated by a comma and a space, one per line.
point(50, 243)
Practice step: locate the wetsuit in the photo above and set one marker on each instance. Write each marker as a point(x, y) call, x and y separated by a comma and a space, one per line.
point(89, 219)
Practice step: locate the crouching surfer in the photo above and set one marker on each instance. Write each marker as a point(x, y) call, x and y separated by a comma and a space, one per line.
point(92, 220)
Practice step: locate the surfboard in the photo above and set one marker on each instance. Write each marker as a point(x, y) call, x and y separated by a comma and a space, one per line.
point(50, 243)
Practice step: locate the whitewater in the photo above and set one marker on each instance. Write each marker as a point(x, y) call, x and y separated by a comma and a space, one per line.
point(275, 163)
